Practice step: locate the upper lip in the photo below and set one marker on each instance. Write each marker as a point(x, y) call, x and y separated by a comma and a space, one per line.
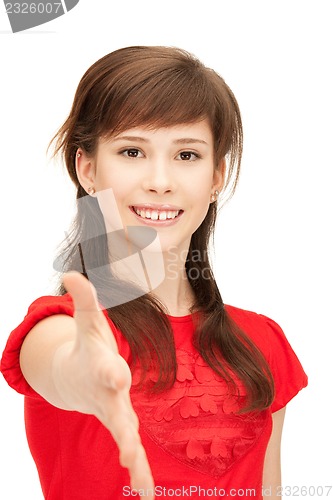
point(156, 206)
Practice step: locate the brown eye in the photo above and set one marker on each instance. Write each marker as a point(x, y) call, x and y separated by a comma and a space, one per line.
point(188, 156)
point(132, 153)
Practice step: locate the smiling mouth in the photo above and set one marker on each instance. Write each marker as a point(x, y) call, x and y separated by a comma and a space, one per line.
point(154, 214)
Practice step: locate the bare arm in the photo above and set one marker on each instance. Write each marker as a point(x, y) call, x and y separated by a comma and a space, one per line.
point(272, 464)
point(75, 365)
point(38, 351)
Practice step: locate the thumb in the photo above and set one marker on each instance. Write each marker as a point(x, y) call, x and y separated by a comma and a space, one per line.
point(88, 314)
point(82, 292)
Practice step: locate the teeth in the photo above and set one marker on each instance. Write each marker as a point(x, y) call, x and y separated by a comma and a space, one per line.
point(156, 215)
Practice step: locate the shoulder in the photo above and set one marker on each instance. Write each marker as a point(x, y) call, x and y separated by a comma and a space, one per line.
point(259, 328)
point(40, 309)
point(268, 336)
point(243, 315)
point(52, 304)
point(265, 333)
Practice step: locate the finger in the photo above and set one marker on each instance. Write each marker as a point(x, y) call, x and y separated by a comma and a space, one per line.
point(131, 452)
point(133, 456)
point(82, 292)
point(128, 443)
point(119, 417)
point(122, 422)
point(141, 475)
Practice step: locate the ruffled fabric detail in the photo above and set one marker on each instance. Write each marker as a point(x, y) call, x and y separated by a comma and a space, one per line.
point(196, 421)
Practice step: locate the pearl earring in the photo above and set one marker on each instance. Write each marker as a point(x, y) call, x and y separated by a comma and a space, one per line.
point(91, 190)
point(214, 195)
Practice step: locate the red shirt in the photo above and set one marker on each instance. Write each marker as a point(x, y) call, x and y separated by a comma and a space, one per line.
point(196, 444)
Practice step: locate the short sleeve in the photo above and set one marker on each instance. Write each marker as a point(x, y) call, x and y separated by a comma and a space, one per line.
point(289, 376)
point(40, 309)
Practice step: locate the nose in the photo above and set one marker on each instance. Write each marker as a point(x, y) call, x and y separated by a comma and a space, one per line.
point(159, 177)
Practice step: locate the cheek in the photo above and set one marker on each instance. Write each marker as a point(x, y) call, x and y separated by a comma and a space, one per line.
point(107, 176)
point(124, 183)
point(200, 207)
point(201, 191)
point(113, 180)
point(109, 202)
point(205, 180)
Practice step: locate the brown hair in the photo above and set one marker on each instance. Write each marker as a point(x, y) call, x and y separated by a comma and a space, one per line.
point(164, 86)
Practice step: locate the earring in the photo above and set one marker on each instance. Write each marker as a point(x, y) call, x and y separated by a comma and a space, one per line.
point(214, 195)
point(78, 155)
point(91, 190)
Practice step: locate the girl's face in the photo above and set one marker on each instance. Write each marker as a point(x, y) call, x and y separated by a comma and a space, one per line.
point(159, 178)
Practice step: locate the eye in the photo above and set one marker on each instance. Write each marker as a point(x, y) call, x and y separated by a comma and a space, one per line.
point(188, 156)
point(131, 153)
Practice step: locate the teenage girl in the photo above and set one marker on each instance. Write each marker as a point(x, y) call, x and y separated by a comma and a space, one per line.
point(138, 379)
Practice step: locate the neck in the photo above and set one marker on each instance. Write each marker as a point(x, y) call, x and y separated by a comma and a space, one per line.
point(161, 273)
point(175, 292)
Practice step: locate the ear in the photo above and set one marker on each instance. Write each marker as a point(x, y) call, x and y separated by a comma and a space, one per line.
point(219, 176)
point(85, 170)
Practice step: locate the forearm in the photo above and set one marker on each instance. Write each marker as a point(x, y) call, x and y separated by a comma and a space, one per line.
point(272, 477)
point(272, 465)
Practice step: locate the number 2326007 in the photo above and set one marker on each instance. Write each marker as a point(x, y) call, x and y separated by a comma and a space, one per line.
point(299, 491)
point(32, 8)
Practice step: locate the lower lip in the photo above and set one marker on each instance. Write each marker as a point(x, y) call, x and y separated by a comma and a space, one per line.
point(159, 223)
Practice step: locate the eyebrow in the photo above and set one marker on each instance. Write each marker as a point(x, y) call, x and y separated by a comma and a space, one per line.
point(184, 140)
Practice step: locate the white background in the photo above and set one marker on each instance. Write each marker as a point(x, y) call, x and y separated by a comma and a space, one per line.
point(273, 240)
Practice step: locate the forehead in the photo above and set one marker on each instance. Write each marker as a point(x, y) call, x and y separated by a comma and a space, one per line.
point(189, 132)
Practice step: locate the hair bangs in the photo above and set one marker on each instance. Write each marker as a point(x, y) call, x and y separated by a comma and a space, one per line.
point(157, 99)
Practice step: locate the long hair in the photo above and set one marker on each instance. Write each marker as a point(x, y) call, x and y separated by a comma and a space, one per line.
point(161, 87)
